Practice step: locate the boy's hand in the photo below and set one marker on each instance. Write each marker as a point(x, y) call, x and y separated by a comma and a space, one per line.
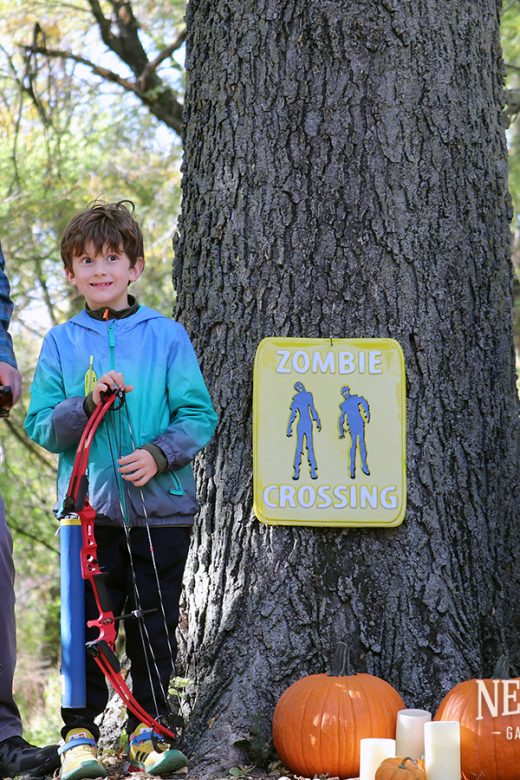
point(138, 467)
point(109, 381)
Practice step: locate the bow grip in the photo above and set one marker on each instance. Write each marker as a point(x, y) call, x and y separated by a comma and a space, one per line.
point(103, 598)
point(82, 493)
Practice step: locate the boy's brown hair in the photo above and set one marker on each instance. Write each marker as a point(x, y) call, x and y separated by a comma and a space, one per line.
point(103, 223)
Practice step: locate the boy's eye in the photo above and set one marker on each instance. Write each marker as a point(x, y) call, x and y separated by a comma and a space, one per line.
point(87, 260)
point(112, 258)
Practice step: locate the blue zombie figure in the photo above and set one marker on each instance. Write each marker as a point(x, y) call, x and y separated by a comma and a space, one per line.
point(354, 412)
point(302, 405)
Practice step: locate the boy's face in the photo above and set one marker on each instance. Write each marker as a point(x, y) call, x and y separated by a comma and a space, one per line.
point(103, 278)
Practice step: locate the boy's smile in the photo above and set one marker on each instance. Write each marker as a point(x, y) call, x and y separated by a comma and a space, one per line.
point(103, 278)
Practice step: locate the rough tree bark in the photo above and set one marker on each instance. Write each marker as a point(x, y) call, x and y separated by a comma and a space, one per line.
point(345, 175)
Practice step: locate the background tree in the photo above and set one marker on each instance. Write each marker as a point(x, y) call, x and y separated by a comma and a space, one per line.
point(511, 45)
point(69, 136)
point(142, 49)
point(345, 175)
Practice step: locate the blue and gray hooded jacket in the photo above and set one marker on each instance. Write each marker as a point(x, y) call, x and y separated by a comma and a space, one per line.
point(169, 407)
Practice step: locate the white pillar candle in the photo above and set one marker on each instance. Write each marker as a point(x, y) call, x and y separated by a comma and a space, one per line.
point(409, 736)
point(442, 750)
point(372, 752)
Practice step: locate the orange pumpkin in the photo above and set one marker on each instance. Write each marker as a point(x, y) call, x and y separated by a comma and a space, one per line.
point(490, 743)
point(320, 719)
point(400, 769)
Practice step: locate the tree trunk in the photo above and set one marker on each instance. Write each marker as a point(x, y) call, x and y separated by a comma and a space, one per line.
point(345, 176)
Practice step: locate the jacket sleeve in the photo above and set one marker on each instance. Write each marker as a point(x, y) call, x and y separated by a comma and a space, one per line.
point(53, 421)
point(192, 417)
point(6, 309)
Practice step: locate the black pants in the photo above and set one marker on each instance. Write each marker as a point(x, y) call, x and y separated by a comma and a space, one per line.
point(10, 723)
point(170, 547)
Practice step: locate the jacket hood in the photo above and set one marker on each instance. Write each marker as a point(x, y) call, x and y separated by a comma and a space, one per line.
point(84, 320)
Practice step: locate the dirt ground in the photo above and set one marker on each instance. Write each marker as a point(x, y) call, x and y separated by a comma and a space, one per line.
point(116, 768)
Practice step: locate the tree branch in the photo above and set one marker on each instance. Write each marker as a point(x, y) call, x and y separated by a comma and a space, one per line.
point(127, 45)
point(102, 22)
point(167, 52)
point(45, 290)
point(13, 429)
point(30, 74)
point(17, 121)
point(157, 96)
point(104, 73)
point(22, 531)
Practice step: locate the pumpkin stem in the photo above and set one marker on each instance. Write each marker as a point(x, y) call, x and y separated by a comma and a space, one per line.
point(340, 665)
point(402, 765)
point(502, 671)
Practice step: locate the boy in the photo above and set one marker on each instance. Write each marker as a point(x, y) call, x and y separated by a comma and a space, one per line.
point(166, 419)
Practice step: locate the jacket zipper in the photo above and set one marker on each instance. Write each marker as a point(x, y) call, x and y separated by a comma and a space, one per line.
point(112, 362)
point(112, 344)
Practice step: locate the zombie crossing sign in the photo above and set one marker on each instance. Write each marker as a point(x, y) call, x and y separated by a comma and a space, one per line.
point(329, 427)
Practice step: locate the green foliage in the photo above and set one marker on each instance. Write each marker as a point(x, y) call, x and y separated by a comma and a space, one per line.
point(510, 29)
point(242, 772)
point(66, 139)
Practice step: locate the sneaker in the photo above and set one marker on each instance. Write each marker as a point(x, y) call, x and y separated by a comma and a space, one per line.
point(79, 756)
point(148, 752)
point(18, 757)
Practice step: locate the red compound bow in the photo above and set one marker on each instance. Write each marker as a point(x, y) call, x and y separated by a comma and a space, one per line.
point(76, 502)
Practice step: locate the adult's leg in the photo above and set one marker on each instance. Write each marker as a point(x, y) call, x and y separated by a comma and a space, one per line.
point(10, 721)
point(17, 757)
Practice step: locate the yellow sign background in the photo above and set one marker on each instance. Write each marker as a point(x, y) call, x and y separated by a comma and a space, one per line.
point(374, 370)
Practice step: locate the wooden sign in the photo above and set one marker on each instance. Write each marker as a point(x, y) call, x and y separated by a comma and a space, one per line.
point(329, 432)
